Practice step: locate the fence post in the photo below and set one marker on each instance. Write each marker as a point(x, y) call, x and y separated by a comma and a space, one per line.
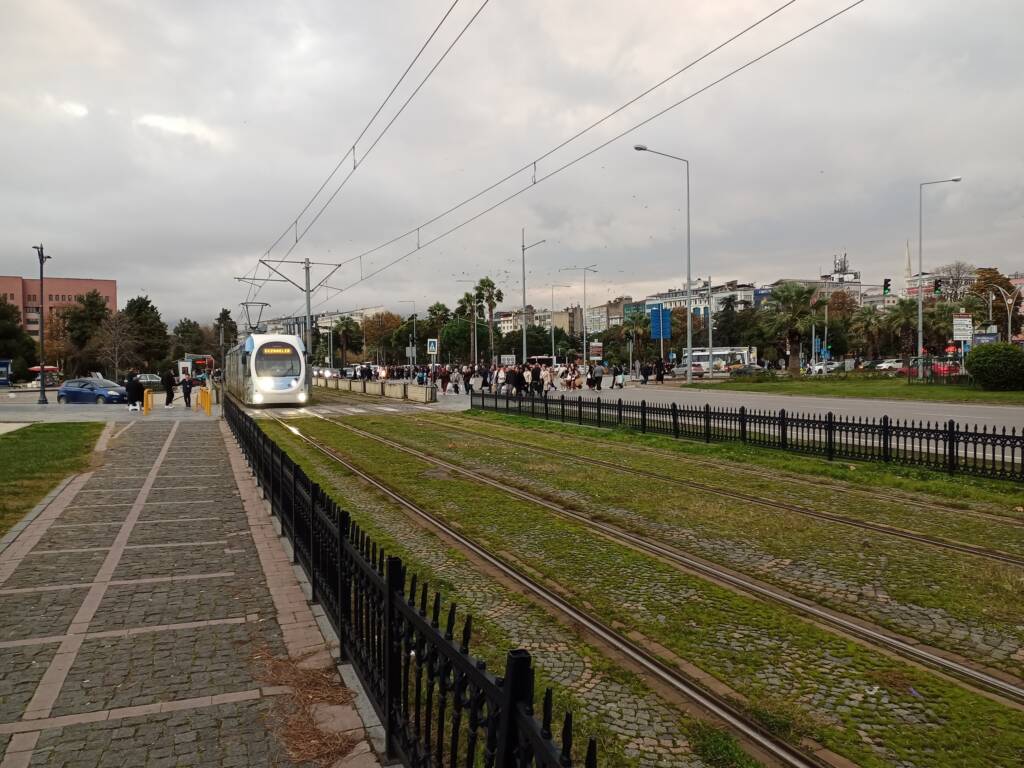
point(344, 612)
point(599, 411)
point(545, 406)
point(782, 428)
point(675, 420)
point(517, 690)
point(579, 410)
point(394, 579)
point(643, 415)
point(743, 423)
point(707, 422)
point(951, 446)
point(561, 405)
point(291, 516)
point(830, 435)
point(886, 439)
point(618, 412)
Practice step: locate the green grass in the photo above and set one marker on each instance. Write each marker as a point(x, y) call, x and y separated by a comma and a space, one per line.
point(762, 651)
point(34, 459)
point(855, 385)
point(434, 561)
point(996, 496)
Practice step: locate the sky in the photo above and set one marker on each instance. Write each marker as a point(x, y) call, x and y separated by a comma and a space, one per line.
point(167, 144)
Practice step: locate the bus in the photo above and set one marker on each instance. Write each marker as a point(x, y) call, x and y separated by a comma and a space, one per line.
point(721, 357)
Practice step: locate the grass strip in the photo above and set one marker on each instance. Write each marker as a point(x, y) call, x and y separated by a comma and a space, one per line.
point(504, 619)
point(951, 600)
point(35, 458)
point(894, 388)
point(795, 676)
point(980, 494)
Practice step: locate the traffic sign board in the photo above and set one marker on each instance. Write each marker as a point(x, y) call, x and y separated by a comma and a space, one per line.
point(963, 326)
point(431, 346)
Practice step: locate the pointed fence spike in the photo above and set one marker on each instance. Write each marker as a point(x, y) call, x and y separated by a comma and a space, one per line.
point(545, 726)
point(450, 626)
point(467, 632)
point(423, 598)
point(435, 615)
point(412, 591)
point(566, 757)
point(591, 761)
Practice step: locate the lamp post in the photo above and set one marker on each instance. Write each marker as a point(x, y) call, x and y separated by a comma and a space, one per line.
point(551, 317)
point(1010, 298)
point(586, 350)
point(689, 284)
point(522, 320)
point(920, 268)
point(414, 339)
point(42, 326)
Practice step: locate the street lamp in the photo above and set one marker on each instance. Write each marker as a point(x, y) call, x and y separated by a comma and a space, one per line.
point(42, 326)
point(414, 339)
point(1010, 298)
point(523, 319)
point(689, 287)
point(920, 268)
point(586, 350)
point(551, 317)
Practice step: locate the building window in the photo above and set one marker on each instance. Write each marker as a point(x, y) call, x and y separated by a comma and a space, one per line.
point(51, 297)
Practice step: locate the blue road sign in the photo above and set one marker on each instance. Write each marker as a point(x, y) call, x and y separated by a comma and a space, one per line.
point(661, 323)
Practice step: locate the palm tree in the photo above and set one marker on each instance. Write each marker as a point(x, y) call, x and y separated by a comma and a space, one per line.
point(791, 309)
point(901, 318)
point(347, 331)
point(867, 324)
point(491, 296)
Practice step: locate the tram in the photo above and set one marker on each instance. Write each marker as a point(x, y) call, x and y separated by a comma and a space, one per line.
point(267, 369)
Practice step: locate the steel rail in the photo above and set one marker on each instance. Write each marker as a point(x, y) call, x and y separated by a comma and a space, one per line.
point(786, 754)
point(920, 538)
point(868, 634)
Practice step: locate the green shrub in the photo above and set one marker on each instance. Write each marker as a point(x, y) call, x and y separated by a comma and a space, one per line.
point(997, 366)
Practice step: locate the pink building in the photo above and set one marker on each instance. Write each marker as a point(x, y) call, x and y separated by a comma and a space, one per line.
point(60, 292)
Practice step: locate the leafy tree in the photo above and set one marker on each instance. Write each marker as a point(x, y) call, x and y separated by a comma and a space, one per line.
point(998, 366)
point(867, 326)
point(188, 337)
point(225, 321)
point(347, 335)
point(58, 345)
point(154, 344)
point(84, 319)
point(378, 330)
point(490, 296)
point(987, 277)
point(438, 314)
point(15, 342)
point(116, 343)
point(791, 309)
point(901, 318)
point(841, 306)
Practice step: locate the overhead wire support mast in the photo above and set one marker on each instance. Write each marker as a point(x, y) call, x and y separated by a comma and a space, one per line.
point(585, 155)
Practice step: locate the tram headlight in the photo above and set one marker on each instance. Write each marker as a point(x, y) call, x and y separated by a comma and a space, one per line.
point(257, 397)
point(302, 397)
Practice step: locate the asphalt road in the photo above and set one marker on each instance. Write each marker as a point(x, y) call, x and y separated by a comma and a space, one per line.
point(993, 416)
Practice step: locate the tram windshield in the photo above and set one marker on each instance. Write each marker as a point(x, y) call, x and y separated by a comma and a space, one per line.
point(277, 359)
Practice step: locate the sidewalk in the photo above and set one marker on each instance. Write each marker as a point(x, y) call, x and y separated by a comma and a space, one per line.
point(139, 626)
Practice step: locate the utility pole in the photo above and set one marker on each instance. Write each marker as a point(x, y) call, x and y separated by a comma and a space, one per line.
point(309, 332)
point(711, 342)
point(523, 319)
point(42, 326)
point(586, 350)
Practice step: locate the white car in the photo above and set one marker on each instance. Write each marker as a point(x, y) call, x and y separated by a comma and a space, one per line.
point(891, 364)
point(680, 370)
point(827, 367)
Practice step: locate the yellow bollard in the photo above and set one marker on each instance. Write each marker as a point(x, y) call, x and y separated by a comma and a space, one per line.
point(147, 402)
point(208, 402)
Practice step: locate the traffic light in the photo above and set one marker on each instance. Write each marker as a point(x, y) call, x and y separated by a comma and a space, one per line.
point(937, 287)
point(886, 286)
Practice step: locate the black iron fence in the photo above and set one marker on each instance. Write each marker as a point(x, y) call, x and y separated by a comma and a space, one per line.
point(439, 705)
point(944, 446)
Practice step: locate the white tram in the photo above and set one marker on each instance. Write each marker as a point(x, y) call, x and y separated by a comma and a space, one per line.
point(268, 369)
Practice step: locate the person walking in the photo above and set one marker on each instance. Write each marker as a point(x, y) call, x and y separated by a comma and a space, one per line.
point(168, 382)
point(186, 391)
point(135, 391)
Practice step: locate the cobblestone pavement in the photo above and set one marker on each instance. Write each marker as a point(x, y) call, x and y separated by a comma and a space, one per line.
point(895, 583)
point(647, 728)
point(131, 609)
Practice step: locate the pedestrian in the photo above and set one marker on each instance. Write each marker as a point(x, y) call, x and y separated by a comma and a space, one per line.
point(135, 391)
point(168, 382)
point(186, 391)
point(599, 372)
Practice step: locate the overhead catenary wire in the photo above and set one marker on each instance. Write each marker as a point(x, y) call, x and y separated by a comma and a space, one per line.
point(351, 153)
point(537, 180)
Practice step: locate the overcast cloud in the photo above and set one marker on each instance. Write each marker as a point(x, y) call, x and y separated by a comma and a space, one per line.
point(166, 144)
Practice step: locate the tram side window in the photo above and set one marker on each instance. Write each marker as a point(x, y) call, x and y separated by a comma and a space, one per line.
point(277, 360)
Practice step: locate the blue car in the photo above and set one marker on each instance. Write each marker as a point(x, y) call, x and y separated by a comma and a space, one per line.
point(99, 391)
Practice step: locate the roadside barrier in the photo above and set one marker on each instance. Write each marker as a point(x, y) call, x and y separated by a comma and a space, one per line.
point(941, 446)
point(439, 705)
point(147, 402)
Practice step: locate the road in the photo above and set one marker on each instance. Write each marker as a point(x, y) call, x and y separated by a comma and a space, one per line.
point(967, 414)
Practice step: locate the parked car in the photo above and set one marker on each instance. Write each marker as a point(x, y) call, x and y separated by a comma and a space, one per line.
point(826, 367)
point(99, 391)
point(890, 364)
point(149, 380)
point(680, 370)
point(750, 369)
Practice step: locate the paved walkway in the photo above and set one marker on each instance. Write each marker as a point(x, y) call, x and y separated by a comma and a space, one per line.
point(139, 608)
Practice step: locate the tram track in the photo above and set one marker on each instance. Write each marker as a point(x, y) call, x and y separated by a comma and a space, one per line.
point(718, 706)
point(903, 533)
point(859, 629)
